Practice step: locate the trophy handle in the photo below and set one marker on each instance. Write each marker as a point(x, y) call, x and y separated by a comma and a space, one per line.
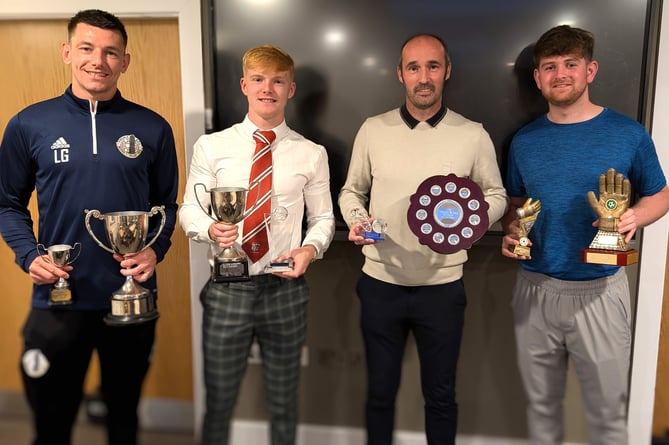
point(96, 213)
point(78, 252)
point(197, 198)
point(43, 252)
point(154, 211)
point(244, 215)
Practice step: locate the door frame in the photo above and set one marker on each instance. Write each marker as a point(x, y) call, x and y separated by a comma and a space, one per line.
point(652, 271)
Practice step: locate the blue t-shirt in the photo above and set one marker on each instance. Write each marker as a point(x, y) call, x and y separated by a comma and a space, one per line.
point(558, 164)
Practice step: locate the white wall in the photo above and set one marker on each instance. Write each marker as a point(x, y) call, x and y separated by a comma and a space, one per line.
point(651, 272)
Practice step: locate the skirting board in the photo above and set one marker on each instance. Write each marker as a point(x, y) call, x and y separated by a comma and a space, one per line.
point(175, 415)
point(246, 432)
point(154, 414)
point(166, 414)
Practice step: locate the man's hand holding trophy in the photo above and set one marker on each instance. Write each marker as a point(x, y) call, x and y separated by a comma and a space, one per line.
point(365, 229)
point(60, 255)
point(527, 215)
point(227, 206)
point(127, 232)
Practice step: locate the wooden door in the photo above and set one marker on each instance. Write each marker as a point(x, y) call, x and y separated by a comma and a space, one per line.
point(33, 71)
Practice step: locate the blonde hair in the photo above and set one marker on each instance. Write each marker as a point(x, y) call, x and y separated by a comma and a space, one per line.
point(269, 57)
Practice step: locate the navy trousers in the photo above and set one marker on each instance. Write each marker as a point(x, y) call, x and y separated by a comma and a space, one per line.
point(435, 316)
point(58, 345)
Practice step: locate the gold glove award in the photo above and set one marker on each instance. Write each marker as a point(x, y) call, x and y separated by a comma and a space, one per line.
point(609, 246)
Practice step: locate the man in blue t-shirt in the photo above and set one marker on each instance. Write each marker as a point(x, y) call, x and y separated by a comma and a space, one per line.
point(565, 308)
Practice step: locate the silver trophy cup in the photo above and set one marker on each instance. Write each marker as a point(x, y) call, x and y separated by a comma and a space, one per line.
point(60, 255)
point(227, 205)
point(127, 232)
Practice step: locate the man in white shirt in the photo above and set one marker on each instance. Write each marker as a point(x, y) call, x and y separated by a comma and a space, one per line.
point(270, 306)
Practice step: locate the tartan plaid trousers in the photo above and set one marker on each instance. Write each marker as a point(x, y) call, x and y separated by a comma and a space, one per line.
point(272, 309)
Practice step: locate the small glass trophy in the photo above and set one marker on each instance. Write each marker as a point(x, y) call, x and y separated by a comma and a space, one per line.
point(374, 230)
point(280, 227)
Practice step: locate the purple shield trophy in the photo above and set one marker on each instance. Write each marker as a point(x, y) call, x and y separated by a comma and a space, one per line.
point(448, 213)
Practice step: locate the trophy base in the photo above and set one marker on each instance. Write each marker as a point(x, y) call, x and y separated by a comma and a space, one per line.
point(374, 236)
point(132, 304)
point(117, 320)
point(610, 257)
point(132, 310)
point(60, 297)
point(226, 271)
point(521, 250)
point(280, 266)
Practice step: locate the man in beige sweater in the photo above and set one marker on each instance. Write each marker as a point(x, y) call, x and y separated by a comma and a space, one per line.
point(405, 286)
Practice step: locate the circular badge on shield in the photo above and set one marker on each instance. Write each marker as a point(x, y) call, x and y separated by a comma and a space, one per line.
point(448, 213)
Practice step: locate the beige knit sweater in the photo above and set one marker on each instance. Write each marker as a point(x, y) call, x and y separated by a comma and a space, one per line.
point(389, 161)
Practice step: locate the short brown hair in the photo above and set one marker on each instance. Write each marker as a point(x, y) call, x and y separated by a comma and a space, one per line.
point(562, 40)
point(99, 19)
point(268, 56)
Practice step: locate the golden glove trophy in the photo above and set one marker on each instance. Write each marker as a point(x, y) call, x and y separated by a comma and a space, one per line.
point(527, 215)
point(609, 246)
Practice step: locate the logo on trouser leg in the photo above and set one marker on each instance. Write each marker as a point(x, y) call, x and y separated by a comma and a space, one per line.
point(35, 363)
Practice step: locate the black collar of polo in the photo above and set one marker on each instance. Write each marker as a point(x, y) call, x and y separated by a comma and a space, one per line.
point(412, 121)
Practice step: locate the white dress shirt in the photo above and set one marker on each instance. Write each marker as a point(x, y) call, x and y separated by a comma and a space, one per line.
point(300, 179)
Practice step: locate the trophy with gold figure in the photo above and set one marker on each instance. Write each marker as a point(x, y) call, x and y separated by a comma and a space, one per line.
point(609, 245)
point(527, 215)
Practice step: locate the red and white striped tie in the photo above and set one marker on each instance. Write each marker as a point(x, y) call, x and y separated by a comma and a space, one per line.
point(254, 236)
